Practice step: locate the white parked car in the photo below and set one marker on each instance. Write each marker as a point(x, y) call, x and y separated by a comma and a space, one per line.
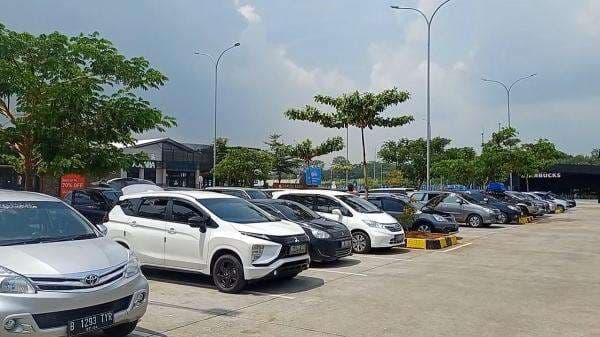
point(210, 233)
point(370, 226)
point(60, 276)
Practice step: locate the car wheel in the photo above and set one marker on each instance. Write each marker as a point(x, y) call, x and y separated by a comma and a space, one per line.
point(504, 218)
point(121, 330)
point(560, 208)
point(474, 220)
point(228, 274)
point(424, 227)
point(360, 242)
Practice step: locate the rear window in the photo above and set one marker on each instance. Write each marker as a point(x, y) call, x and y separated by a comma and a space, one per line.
point(255, 194)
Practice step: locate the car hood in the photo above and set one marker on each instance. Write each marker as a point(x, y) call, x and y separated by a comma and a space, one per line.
point(276, 228)
point(325, 224)
point(429, 210)
point(378, 217)
point(61, 258)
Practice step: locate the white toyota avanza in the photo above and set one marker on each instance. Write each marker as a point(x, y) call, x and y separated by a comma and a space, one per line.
point(210, 233)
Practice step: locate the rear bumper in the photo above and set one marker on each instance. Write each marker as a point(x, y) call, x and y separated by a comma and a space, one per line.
point(51, 310)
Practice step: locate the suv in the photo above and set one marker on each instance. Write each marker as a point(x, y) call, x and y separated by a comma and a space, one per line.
point(59, 275)
point(329, 239)
point(94, 203)
point(209, 233)
point(463, 210)
point(370, 226)
point(241, 192)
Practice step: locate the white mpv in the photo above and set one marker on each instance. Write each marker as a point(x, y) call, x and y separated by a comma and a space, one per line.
point(210, 233)
point(370, 226)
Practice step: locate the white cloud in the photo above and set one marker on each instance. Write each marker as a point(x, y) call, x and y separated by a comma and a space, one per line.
point(589, 17)
point(249, 13)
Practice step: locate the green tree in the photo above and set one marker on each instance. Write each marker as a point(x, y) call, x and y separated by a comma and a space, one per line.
point(243, 166)
point(305, 150)
point(74, 98)
point(222, 147)
point(503, 154)
point(283, 161)
point(340, 164)
point(355, 109)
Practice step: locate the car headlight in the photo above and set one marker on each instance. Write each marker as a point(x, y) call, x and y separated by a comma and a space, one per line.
point(438, 218)
point(133, 266)
point(374, 224)
point(257, 251)
point(319, 234)
point(514, 208)
point(13, 283)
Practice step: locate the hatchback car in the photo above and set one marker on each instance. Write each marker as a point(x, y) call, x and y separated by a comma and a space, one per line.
point(215, 234)
point(329, 240)
point(370, 226)
point(59, 275)
point(465, 211)
point(94, 203)
point(424, 220)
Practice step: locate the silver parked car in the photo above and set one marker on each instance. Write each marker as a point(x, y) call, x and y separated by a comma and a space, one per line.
point(59, 274)
point(464, 211)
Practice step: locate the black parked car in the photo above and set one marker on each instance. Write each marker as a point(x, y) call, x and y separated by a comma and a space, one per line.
point(94, 203)
point(329, 240)
point(424, 220)
point(118, 184)
point(510, 211)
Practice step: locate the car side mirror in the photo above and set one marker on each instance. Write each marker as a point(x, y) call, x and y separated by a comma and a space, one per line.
point(103, 229)
point(200, 222)
point(338, 213)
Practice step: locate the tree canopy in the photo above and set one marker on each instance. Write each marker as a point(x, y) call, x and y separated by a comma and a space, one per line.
point(243, 166)
point(67, 100)
point(305, 150)
point(284, 163)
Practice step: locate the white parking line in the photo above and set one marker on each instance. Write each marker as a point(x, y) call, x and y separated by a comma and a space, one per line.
point(338, 272)
point(457, 247)
point(272, 295)
point(386, 258)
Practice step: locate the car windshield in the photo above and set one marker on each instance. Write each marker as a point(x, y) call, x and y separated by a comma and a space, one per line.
point(29, 222)
point(236, 210)
point(359, 204)
point(471, 198)
point(295, 212)
point(255, 194)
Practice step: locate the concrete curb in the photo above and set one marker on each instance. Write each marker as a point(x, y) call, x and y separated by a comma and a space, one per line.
point(439, 243)
point(524, 219)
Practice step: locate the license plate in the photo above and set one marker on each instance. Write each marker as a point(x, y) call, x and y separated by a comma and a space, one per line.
point(297, 249)
point(90, 323)
point(346, 244)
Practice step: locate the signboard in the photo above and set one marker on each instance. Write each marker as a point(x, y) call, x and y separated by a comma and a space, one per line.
point(312, 176)
point(70, 182)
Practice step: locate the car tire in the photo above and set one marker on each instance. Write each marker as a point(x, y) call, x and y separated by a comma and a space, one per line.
point(423, 227)
point(504, 218)
point(475, 221)
point(361, 243)
point(560, 208)
point(228, 274)
point(121, 330)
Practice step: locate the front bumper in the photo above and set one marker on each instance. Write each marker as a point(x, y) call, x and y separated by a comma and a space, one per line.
point(47, 312)
point(445, 227)
point(329, 250)
point(387, 239)
point(260, 272)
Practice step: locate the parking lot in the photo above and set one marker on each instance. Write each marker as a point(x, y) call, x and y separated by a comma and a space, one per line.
point(538, 279)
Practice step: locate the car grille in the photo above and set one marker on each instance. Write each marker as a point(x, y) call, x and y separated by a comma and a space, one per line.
point(61, 318)
point(288, 241)
point(397, 239)
point(394, 228)
point(70, 284)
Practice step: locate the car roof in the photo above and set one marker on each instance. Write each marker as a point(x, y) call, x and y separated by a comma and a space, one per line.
point(232, 188)
point(10, 195)
point(319, 192)
point(191, 194)
point(269, 201)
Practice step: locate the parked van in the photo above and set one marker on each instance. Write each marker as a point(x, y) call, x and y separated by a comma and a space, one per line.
point(370, 226)
point(59, 275)
point(210, 233)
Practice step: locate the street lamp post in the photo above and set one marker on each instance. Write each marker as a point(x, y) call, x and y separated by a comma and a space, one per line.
point(216, 65)
point(508, 90)
point(429, 21)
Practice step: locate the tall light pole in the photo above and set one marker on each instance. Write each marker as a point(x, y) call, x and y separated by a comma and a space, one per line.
point(216, 65)
point(508, 90)
point(429, 20)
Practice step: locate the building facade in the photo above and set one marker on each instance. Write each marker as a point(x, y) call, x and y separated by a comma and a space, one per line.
point(579, 181)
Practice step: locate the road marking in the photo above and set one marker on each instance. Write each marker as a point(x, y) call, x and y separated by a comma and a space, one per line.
point(267, 294)
point(142, 334)
point(457, 247)
point(338, 272)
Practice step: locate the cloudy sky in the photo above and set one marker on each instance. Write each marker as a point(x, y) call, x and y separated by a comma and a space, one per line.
point(291, 50)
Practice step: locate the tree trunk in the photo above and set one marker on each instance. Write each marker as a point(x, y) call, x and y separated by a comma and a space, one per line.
point(365, 168)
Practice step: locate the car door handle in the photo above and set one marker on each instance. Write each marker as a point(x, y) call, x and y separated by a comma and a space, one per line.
point(133, 224)
point(172, 231)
